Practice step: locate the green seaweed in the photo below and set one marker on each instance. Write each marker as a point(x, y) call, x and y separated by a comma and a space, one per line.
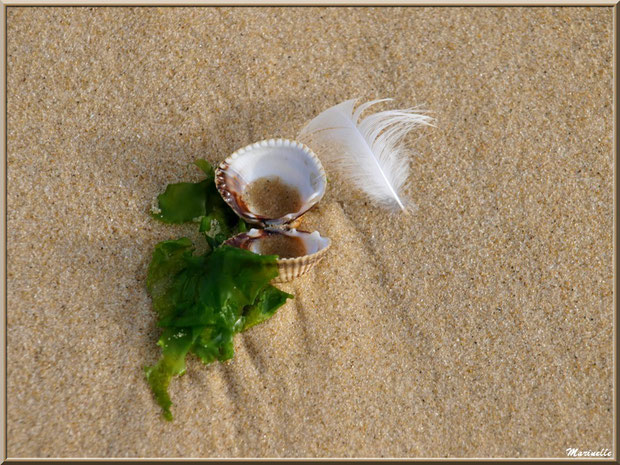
point(202, 301)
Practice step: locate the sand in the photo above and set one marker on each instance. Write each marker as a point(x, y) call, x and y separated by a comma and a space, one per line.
point(283, 245)
point(271, 197)
point(479, 326)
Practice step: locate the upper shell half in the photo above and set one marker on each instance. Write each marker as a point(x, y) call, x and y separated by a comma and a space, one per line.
point(271, 182)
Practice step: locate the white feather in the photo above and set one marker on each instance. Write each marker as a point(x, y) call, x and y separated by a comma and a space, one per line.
point(368, 152)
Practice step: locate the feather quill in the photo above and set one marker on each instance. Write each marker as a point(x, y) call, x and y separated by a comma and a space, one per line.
point(369, 152)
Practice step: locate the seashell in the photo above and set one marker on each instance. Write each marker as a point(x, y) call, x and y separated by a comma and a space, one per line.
point(299, 251)
point(272, 182)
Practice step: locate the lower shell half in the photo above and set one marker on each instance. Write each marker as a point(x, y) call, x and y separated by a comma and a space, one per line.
point(298, 251)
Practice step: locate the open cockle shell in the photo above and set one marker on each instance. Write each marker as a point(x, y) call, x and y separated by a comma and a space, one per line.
point(290, 162)
point(305, 249)
point(273, 183)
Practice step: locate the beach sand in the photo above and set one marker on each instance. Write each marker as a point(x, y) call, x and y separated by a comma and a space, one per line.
point(480, 325)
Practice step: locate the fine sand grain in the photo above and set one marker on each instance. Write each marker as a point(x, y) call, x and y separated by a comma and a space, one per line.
point(480, 325)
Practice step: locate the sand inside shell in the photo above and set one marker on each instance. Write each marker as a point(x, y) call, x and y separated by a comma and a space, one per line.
point(282, 245)
point(271, 197)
